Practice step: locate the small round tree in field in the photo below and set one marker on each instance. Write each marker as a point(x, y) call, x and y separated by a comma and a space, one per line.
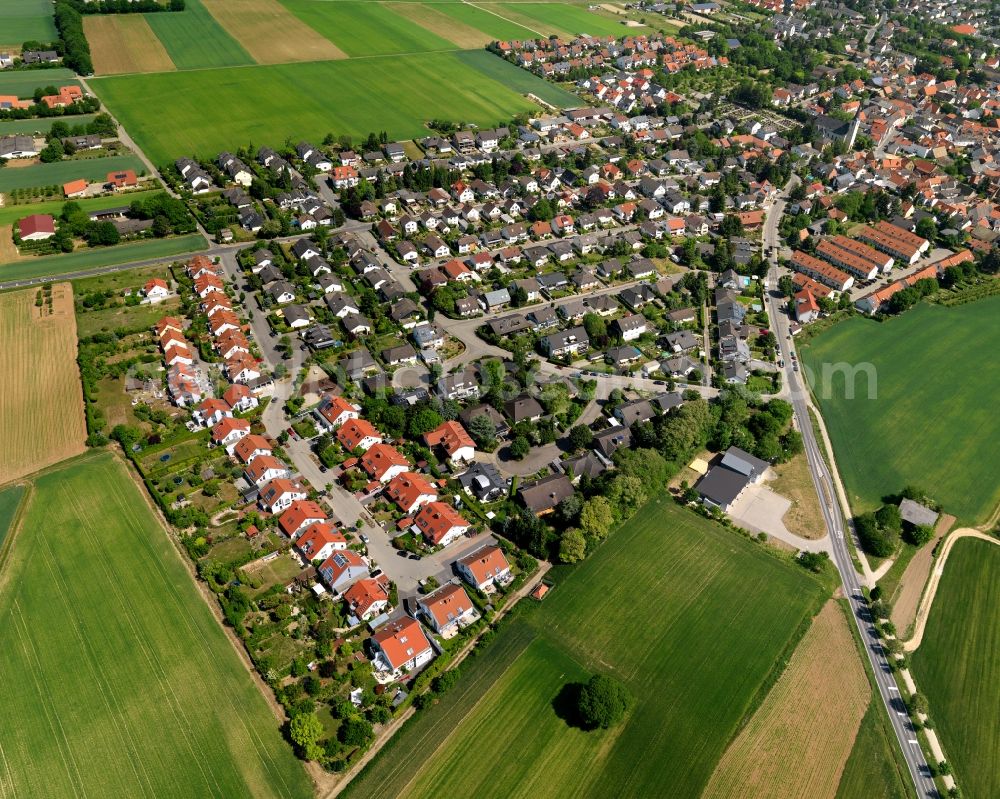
point(603, 702)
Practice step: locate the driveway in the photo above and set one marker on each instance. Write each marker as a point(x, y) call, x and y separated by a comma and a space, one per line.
point(761, 510)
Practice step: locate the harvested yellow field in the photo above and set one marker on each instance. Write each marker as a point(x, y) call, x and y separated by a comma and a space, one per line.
point(799, 739)
point(446, 27)
point(124, 43)
point(270, 32)
point(41, 402)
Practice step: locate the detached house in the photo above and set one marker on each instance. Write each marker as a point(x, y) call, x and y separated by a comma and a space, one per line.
point(333, 411)
point(228, 431)
point(358, 434)
point(448, 609)
point(400, 647)
point(320, 541)
point(484, 568)
point(278, 495)
point(410, 491)
point(453, 440)
point(440, 524)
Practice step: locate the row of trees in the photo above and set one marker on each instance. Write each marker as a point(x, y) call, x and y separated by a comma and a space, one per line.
point(75, 48)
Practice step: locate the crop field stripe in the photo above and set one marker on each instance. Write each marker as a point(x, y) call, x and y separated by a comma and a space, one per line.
point(60, 172)
point(124, 43)
point(482, 17)
point(56, 265)
point(365, 28)
point(270, 33)
point(195, 40)
point(810, 718)
point(871, 770)
point(572, 19)
point(24, 82)
point(510, 12)
point(41, 126)
point(41, 415)
point(957, 667)
point(26, 20)
point(918, 358)
point(430, 18)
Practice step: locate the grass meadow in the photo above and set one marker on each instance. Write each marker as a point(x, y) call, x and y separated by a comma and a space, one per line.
point(920, 429)
point(696, 621)
point(55, 265)
point(957, 667)
point(26, 20)
point(210, 112)
point(118, 681)
point(194, 40)
point(11, 213)
point(59, 172)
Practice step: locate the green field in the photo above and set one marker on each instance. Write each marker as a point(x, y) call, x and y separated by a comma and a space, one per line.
point(10, 498)
point(11, 213)
point(60, 172)
point(481, 18)
point(957, 667)
point(118, 681)
point(26, 20)
point(194, 40)
point(56, 265)
point(24, 82)
point(555, 17)
point(9, 127)
point(208, 111)
point(693, 618)
point(871, 769)
point(365, 28)
point(920, 429)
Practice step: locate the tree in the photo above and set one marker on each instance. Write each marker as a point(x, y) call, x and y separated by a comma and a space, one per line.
point(889, 519)
point(520, 447)
point(927, 228)
point(483, 431)
point(579, 437)
point(920, 534)
point(597, 329)
point(603, 702)
point(355, 732)
point(918, 704)
point(423, 421)
point(572, 546)
point(874, 539)
point(597, 517)
point(626, 493)
point(541, 211)
point(305, 730)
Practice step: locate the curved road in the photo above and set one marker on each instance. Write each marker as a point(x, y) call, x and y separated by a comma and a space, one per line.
point(838, 528)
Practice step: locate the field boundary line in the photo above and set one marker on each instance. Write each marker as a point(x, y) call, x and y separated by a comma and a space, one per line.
point(937, 572)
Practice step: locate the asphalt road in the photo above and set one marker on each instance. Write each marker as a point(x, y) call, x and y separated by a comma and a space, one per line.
point(838, 528)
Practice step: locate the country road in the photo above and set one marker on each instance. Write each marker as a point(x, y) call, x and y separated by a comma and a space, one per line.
point(837, 527)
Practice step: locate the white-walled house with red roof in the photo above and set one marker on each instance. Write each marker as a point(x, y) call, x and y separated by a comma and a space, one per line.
point(319, 541)
point(228, 431)
point(401, 647)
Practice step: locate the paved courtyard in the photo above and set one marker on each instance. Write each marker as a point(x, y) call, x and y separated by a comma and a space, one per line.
point(762, 510)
